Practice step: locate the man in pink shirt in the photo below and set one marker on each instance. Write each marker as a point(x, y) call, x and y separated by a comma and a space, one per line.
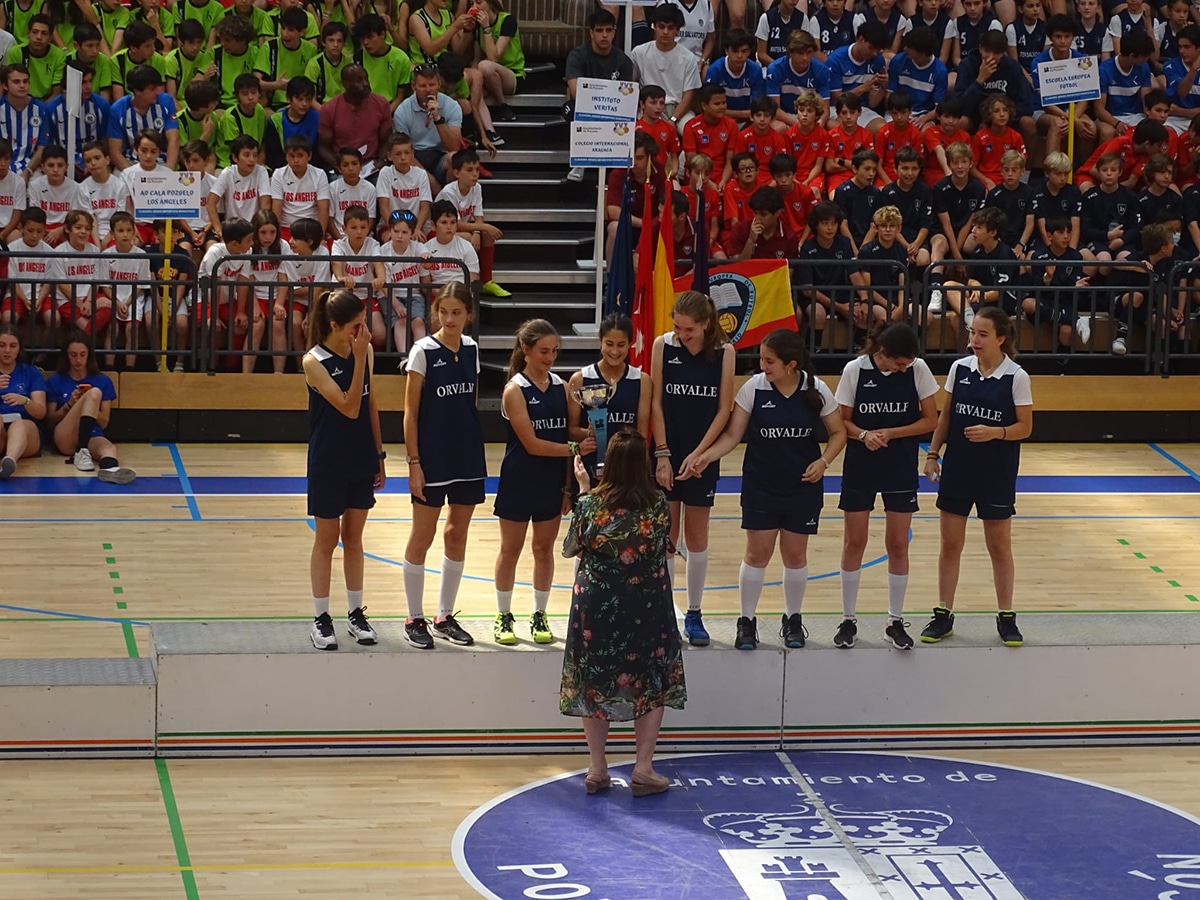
point(355, 118)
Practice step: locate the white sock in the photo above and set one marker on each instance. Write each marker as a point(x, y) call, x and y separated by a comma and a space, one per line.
point(897, 585)
point(541, 599)
point(504, 601)
point(697, 574)
point(750, 585)
point(671, 571)
point(849, 591)
point(320, 606)
point(795, 581)
point(414, 589)
point(451, 576)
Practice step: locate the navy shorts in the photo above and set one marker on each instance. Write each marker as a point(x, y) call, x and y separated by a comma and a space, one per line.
point(328, 499)
point(696, 491)
point(864, 501)
point(456, 493)
point(539, 511)
point(797, 514)
point(961, 506)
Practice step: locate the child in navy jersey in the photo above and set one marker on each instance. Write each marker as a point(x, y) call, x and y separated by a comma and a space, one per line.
point(538, 414)
point(987, 412)
point(345, 454)
point(446, 465)
point(779, 412)
point(691, 369)
point(886, 400)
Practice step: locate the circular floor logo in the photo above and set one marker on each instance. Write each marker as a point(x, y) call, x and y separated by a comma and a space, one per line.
point(830, 826)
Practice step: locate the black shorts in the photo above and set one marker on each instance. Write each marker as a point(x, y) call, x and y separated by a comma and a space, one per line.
point(701, 491)
point(864, 501)
point(328, 499)
point(431, 159)
point(533, 509)
point(456, 493)
point(799, 518)
point(961, 506)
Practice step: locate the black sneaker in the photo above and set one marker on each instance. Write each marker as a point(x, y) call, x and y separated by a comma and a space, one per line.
point(940, 626)
point(360, 629)
point(897, 635)
point(322, 634)
point(494, 137)
point(1006, 625)
point(846, 634)
point(417, 631)
point(504, 113)
point(792, 631)
point(449, 629)
point(747, 633)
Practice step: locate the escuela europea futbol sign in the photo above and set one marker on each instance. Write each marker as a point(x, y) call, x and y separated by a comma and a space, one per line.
point(1065, 81)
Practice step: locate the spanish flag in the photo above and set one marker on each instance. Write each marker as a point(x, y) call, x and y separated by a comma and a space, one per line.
point(753, 297)
point(665, 288)
point(654, 294)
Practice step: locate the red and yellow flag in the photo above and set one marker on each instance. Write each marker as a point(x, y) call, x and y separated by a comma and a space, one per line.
point(753, 297)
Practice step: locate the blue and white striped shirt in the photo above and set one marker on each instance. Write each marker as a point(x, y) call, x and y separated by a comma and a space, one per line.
point(92, 124)
point(124, 122)
point(925, 86)
point(846, 73)
point(739, 89)
point(1123, 89)
point(25, 128)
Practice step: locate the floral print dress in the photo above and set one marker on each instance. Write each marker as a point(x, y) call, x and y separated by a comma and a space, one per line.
point(624, 656)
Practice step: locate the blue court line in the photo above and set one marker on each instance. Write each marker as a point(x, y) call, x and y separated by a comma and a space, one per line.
point(1159, 450)
point(1188, 482)
point(184, 482)
point(77, 616)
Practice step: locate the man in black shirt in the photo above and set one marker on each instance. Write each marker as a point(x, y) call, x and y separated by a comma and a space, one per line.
point(597, 58)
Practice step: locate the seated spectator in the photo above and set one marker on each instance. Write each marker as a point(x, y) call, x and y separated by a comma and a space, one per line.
point(993, 285)
point(1136, 16)
point(858, 198)
point(809, 143)
point(913, 199)
point(966, 33)
point(56, 194)
point(403, 186)
point(698, 31)
point(466, 194)
point(140, 50)
point(75, 301)
point(432, 120)
point(446, 244)
point(22, 405)
point(499, 57)
point(742, 79)
point(948, 131)
point(687, 241)
point(597, 57)
point(1091, 31)
point(1045, 302)
point(1178, 70)
point(652, 101)
point(299, 189)
point(919, 73)
point(234, 56)
point(775, 27)
point(282, 58)
point(886, 297)
point(90, 125)
point(1160, 203)
point(1014, 197)
point(388, 70)
point(1027, 35)
point(183, 63)
point(126, 269)
point(765, 235)
point(45, 62)
point(956, 198)
point(364, 275)
point(296, 117)
point(845, 139)
point(1134, 148)
point(246, 116)
point(798, 199)
point(860, 69)
point(433, 29)
point(760, 140)
point(896, 134)
point(791, 77)
point(639, 175)
point(325, 69)
point(22, 118)
point(226, 282)
point(991, 142)
point(242, 188)
point(145, 107)
point(351, 189)
point(895, 24)
point(1132, 306)
point(1057, 200)
point(198, 119)
point(1124, 79)
point(399, 269)
point(993, 71)
point(669, 64)
point(29, 278)
point(712, 132)
point(735, 198)
point(931, 15)
point(1109, 213)
point(826, 284)
point(355, 118)
point(12, 196)
point(832, 27)
point(699, 184)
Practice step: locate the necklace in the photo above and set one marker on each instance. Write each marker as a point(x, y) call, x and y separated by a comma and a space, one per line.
point(985, 372)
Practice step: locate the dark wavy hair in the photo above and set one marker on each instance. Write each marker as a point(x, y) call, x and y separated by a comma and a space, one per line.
point(627, 482)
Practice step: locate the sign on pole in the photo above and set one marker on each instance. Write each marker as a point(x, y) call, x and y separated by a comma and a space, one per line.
point(605, 144)
point(1064, 81)
point(601, 100)
point(164, 194)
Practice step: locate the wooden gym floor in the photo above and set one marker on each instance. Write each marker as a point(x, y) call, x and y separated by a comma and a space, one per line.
point(220, 532)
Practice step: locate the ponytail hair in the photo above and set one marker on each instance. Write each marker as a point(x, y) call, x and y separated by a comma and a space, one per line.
point(895, 341)
point(1004, 329)
point(530, 332)
point(331, 308)
point(789, 346)
point(700, 308)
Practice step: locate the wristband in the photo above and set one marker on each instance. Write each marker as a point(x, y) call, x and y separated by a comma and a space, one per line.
point(932, 455)
point(573, 447)
point(824, 460)
point(1004, 433)
point(664, 453)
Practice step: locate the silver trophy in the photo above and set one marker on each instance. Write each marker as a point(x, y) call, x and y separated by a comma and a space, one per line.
point(594, 398)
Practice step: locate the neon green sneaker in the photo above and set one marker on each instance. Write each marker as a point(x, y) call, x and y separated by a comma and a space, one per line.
point(503, 629)
point(540, 626)
point(494, 290)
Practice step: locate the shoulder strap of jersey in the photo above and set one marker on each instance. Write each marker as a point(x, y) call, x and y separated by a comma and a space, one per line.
point(358, 56)
point(321, 76)
point(218, 58)
point(273, 56)
point(25, 55)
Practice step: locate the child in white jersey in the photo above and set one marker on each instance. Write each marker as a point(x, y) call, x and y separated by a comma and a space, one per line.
point(73, 300)
point(109, 194)
point(447, 244)
point(12, 194)
point(299, 190)
point(126, 269)
point(148, 146)
point(404, 185)
point(269, 272)
point(349, 190)
point(309, 274)
point(242, 188)
point(198, 231)
point(28, 284)
point(398, 273)
point(55, 193)
point(466, 194)
point(364, 277)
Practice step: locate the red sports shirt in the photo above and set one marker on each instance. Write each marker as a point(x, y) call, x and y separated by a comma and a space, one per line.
point(714, 141)
point(796, 207)
point(988, 148)
point(765, 147)
point(889, 139)
point(842, 146)
point(665, 134)
point(808, 148)
point(934, 138)
point(712, 205)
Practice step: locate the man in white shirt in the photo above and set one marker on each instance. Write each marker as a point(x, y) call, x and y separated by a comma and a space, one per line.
point(669, 65)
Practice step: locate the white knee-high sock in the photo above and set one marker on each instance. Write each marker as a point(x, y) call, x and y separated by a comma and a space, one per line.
point(414, 589)
point(795, 581)
point(697, 574)
point(541, 599)
point(750, 585)
point(503, 601)
point(849, 591)
point(448, 593)
point(353, 600)
point(320, 607)
point(897, 585)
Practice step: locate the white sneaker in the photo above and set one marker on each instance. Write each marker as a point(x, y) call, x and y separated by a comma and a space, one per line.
point(968, 315)
point(1118, 346)
point(1083, 328)
point(178, 370)
point(576, 174)
point(117, 475)
point(935, 301)
point(83, 460)
point(322, 634)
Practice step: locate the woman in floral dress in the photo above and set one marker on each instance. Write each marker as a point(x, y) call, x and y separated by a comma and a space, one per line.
point(624, 656)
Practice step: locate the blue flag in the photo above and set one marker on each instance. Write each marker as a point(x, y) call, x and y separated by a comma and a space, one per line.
point(700, 255)
point(619, 296)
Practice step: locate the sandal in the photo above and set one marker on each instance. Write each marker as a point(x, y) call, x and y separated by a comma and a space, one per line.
point(596, 785)
point(656, 784)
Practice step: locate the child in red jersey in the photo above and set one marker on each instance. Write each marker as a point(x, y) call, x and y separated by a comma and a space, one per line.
point(685, 238)
point(809, 143)
point(991, 142)
point(798, 199)
point(736, 196)
point(712, 132)
point(941, 136)
point(1134, 148)
point(844, 139)
point(652, 101)
point(899, 132)
point(760, 139)
point(699, 182)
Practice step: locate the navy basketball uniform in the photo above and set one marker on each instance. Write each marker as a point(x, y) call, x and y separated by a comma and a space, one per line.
point(690, 401)
point(983, 475)
point(531, 486)
point(449, 435)
point(882, 400)
point(622, 404)
point(782, 440)
point(342, 459)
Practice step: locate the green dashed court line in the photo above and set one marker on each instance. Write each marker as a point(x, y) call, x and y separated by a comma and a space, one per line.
point(1157, 570)
point(1122, 542)
point(131, 647)
point(121, 604)
point(1192, 597)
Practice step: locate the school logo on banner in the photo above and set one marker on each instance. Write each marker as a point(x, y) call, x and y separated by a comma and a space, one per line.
point(834, 826)
point(753, 298)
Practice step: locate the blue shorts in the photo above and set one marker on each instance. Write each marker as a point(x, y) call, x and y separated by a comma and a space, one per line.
point(329, 498)
point(961, 506)
point(801, 518)
point(521, 513)
point(864, 501)
point(456, 493)
point(701, 491)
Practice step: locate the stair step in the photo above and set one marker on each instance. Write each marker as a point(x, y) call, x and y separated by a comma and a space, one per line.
point(523, 302)
point(552, 274)
point(568, 215)
point(527, 157)
point(524, 181)
point(538, 100)
point(530, 122)
point(544, 68)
